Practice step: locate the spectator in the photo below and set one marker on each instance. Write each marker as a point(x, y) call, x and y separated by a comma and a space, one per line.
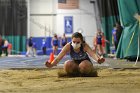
point(34, 49)
point(29, 47)
point(114, 37)
point(5, 47)
point(119, 30)
point(104, 43)
point(63, 40)
point(116, 34)
point(99, 42)
point(1, 45)
point(44, 46)
point(94, 44)
point(54, 43)
point(9, 49)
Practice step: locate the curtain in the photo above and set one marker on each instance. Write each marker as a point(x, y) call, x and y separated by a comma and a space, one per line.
point(130, 15)
point(109, 14)
point(13, 22)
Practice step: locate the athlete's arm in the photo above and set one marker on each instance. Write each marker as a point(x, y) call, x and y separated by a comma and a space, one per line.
point(91, 52)
point(63, 52)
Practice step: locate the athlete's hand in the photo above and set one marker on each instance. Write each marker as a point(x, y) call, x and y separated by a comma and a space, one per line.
point(48, 64)
point(101, 60)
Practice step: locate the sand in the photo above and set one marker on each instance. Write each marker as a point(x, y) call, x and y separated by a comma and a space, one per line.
point(47, 81)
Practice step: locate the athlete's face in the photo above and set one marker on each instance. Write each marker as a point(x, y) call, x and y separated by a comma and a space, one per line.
point(76, 40)
point(76, 43)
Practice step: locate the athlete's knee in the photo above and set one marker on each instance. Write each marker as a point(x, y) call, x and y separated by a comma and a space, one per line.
point(70, 66)
point(86, 67)
point(68, 63)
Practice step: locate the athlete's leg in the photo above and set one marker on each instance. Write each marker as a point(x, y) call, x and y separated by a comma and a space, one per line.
point(71, 67)
point(86, 67)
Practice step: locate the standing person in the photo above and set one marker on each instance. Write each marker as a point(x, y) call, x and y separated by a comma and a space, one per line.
point(34, 49)
point(1, 41)
point(119, 30)
point(9, 49)
point(114, 37)
point(94, 44)
point(54, 43)
point(1, 45)
point(116, 34)
point(99, 42)
point(104, 43)
point(5, 47)
point(44, 46)
point(80, 62)
point(64, 40)
point(29, 47)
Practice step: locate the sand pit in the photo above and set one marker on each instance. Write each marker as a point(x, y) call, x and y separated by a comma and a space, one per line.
point(47, 81)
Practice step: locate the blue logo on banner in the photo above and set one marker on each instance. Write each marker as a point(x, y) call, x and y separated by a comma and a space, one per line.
point(68, 24)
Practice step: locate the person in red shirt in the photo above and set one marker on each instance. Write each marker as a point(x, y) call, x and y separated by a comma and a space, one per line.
point(104, 43)
point(9, 49)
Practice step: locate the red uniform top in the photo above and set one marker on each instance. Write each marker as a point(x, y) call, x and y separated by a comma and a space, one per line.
point(9, 46)
point(103, 41)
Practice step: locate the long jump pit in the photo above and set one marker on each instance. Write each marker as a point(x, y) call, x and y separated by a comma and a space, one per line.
point(45, 80)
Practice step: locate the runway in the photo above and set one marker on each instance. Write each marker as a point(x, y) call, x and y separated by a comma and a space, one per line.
point(20, 61)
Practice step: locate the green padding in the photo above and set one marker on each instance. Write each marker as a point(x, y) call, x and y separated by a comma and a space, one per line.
point(18, 43)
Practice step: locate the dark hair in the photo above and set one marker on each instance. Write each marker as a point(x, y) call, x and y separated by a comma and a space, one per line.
point(118, 22)
point(78, 35)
